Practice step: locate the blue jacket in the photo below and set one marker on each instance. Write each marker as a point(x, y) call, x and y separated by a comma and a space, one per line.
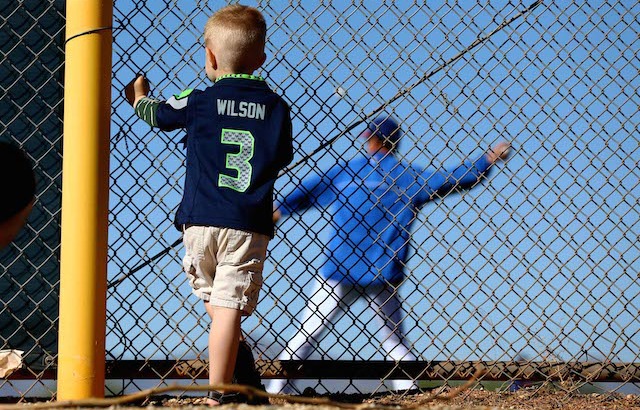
point(373, 202)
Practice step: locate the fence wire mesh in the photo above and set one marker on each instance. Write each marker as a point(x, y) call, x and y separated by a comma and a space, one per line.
point(32, 59)
point(537, 264)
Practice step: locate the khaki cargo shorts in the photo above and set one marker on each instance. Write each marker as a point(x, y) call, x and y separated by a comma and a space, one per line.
point(224, 266)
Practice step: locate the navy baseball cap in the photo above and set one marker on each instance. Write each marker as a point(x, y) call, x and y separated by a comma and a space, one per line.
point(384, 127)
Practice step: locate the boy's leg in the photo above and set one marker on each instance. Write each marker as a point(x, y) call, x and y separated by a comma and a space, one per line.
point(223, 344)
point(235, 293)
point(245, 371)
point(222, 353)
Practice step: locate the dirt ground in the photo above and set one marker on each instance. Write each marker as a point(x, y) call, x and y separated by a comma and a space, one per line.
point(442, 398)
point(524, 399)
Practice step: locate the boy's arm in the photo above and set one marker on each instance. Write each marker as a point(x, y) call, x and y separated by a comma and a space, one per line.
point(168, 116)
point(136, 90)
point(466, 174)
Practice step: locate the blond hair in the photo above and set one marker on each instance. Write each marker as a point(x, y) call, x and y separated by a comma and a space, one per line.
point(237, 35)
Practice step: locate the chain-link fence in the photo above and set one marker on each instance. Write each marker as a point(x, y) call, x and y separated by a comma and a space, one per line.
point(532, 270)
point(31, 74)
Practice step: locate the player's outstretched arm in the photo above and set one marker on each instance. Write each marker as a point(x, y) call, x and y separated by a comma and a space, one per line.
point(466, 175)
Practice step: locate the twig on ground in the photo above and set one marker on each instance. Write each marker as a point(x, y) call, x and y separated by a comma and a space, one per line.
point(453, 393)
point(145, 394)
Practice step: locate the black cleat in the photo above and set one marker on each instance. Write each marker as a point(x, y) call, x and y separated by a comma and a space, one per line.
point(245, 373)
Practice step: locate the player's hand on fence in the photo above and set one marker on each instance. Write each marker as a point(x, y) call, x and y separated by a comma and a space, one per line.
point(500, 151)
point(136, 89)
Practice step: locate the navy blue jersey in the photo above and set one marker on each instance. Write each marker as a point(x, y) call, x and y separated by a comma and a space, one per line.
point(238, 139)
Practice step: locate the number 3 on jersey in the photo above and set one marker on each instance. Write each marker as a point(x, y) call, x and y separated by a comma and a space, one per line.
point(239, 161)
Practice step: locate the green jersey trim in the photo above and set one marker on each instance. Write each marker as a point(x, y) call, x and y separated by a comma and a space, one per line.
point(244, 76)
point(183, 94)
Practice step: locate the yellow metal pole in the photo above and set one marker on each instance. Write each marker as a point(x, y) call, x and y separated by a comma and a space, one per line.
point(85, 194)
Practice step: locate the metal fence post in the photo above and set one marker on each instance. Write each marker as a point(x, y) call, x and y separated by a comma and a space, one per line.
point(85, 196)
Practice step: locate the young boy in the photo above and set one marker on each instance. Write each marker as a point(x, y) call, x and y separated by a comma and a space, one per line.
point(238, 139)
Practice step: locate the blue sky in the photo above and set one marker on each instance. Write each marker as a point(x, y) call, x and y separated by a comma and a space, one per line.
point(543, 256)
